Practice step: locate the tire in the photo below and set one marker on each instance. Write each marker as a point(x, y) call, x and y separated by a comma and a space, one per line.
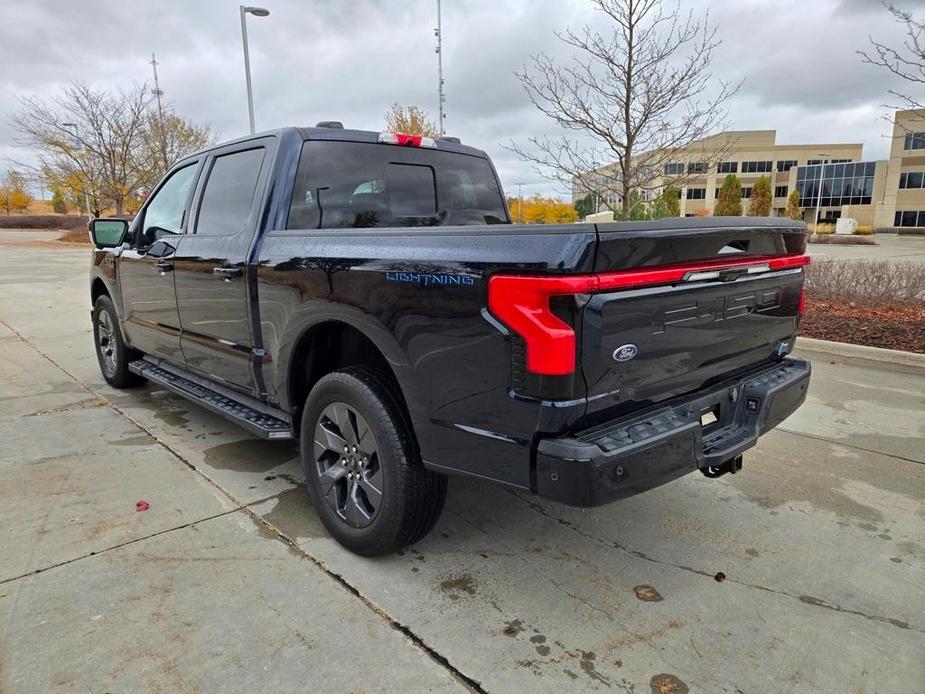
point(359, 406)
point(112, 353)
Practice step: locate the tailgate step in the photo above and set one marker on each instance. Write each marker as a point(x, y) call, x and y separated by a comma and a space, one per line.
point(255, 416)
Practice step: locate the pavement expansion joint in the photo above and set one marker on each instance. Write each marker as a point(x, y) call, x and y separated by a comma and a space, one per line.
point(436, 656)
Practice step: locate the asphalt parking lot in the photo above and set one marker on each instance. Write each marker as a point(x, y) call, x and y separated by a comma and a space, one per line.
point(804, 573)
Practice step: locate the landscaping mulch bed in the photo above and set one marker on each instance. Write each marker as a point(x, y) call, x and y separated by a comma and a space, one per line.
point(892, 327)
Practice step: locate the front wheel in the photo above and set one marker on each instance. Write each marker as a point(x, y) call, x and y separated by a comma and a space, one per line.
point(362, 466)
point(112, 353)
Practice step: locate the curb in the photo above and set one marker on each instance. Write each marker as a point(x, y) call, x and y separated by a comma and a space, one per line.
point(843, 349)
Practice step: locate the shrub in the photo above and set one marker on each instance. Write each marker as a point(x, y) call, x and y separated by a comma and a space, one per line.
point(864, 230)
point(866, 281)
point(42, 221)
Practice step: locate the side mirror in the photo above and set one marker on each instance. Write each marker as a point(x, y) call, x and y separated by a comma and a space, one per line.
point(108, 233)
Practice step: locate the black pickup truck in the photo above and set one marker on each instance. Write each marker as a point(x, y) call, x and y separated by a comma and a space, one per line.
point(367, 293)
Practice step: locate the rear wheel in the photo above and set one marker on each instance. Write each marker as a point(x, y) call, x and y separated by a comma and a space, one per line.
point(362, 466)
point(112, 353)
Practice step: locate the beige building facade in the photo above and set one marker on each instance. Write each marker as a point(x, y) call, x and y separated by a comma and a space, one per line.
point(879, 194)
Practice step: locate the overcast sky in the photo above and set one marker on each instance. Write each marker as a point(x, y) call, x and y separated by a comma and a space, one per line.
point(349, 60)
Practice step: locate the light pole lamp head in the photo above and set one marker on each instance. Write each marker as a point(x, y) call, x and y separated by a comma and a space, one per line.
point(256, 11)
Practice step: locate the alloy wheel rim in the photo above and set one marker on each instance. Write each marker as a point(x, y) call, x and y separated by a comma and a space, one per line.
point(346, 459)
point(105, 343)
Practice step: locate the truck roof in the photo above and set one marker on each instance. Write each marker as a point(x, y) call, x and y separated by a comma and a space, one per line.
point(340, 135)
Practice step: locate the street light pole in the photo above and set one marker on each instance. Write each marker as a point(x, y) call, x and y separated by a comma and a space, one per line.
point(257, 12)
point(86, 194)
point(520, 202)
point(824, 156)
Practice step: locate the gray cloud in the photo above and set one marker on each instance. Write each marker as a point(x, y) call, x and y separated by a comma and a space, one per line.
point(351, 60)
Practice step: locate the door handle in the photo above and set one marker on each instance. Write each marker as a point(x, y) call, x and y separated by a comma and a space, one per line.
point(163, 266)
point(226, 273)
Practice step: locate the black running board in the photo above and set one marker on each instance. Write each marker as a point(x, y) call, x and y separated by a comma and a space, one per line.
point(255, 416)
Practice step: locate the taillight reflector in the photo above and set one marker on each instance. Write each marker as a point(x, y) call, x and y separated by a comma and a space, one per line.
point(406, 140)
point(522, 301)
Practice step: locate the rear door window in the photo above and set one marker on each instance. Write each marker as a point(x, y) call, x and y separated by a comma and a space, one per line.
point(362, 185)
point(229, 193)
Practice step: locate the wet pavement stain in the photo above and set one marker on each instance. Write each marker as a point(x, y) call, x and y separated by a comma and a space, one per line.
point(512, 628)
point(587, 666)
point(250, 455)
point(751, 553)
point(143, 440)
point(456, 586)
point(539, 642)
point(647, 593)
point(294, 516)
point(667, 684)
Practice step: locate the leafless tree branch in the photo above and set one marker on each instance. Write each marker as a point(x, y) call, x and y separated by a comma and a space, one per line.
point(641, 92)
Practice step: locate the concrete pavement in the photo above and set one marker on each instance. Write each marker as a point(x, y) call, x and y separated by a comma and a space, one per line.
point(889, 247)
point(806, 572)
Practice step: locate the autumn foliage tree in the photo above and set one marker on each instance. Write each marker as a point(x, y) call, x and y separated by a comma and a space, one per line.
point(759, 205)
point(106, 145)
point(729, 201)
point(793, 205)
point(541, 209)
point(410, 119)
point(14, 195)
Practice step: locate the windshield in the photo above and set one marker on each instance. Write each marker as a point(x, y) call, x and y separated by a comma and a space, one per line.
point(355, 184)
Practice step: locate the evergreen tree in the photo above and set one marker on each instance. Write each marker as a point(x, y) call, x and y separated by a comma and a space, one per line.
point(671, 198)
point(759, 205)
point(58, 201)
point(729, 202)
point(585, 206)
point(793, 206)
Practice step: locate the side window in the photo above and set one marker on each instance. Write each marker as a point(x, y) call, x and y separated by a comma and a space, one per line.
point(164, 213)
point(229, 193)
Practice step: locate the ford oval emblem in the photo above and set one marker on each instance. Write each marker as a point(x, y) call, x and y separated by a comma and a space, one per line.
point(625, 352)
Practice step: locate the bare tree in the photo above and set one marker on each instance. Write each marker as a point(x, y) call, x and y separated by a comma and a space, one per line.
point(907, 61)
point(630, 99)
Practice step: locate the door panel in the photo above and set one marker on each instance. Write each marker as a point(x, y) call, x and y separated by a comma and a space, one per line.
point(149, 298)
point(213, 306)
point(152, 323)
point(211, 267)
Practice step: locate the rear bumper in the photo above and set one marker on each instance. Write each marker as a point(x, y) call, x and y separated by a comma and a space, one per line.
point(630, 455)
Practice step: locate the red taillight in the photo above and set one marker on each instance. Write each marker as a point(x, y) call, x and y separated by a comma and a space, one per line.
point(406, 140)
point(522, 302)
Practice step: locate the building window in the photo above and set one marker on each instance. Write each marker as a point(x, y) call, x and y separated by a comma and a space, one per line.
point(816, 162)
point(915, 141)
point(696, 193)
point(756, 167)
point(727, 167)
point(697, 167)
point(912, 179)
point(909, 218)
point(844, 184)
point(780, 191)
point(674, 169)
point(747, 192)
point(785, 165)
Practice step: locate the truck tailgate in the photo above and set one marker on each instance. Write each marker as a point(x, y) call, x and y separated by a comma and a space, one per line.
point(723, 299)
